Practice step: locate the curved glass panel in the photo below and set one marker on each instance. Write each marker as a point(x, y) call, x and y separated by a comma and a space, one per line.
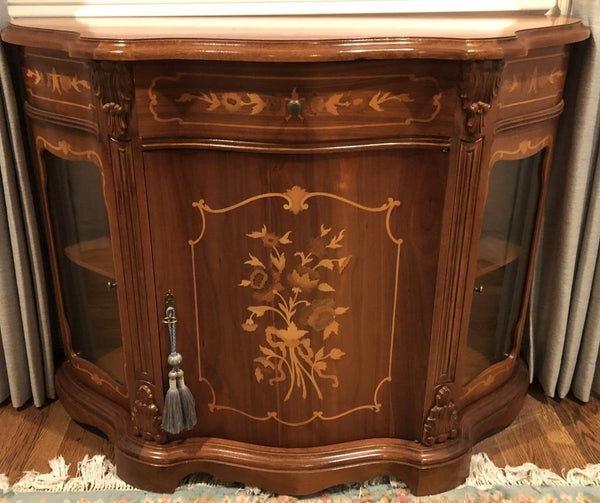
point(85, 263)
point(502, 262)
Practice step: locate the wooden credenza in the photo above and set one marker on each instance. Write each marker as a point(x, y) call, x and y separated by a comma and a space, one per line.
point(344, 209)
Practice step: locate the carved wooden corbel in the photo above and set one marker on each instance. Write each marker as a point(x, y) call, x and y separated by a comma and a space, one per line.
point(442, 422)
point(479, 85)
point(146, 417)
point(112, 83)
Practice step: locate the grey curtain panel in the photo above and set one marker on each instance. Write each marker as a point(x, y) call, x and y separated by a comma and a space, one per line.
point(565, 307)
point(26, 364)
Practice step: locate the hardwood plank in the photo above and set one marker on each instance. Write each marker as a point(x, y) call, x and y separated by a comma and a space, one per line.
point(582, 422)
point(21, 431)
point(51, 436)
point(537, 436)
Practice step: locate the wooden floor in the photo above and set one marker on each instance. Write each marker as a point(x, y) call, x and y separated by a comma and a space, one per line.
point(552, 434)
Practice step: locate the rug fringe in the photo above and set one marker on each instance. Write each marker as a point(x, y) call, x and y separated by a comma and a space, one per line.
point(99, 474)
point(93, 474)
point(484, 474)
point(4, 483)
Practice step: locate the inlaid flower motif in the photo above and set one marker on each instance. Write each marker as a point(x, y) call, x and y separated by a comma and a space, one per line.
point(232, 101)
point(290, 335)
point(297, 289)
point(303, 277)
point(258, 279)
point(322, 314)
point(249, 325)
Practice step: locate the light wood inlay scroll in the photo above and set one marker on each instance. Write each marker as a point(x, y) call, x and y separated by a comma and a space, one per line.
point(525, 149)
point(64, 149)
point(288, 356)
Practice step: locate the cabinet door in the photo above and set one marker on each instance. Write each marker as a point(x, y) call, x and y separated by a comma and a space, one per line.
point(503, 263)
point(83, 263)
point(304, 287)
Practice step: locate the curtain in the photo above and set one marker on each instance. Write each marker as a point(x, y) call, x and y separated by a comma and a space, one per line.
point(565, 304)
point(26, 359)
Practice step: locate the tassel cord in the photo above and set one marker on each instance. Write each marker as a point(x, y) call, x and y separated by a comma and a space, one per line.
point(170, 320)
point(179, 410)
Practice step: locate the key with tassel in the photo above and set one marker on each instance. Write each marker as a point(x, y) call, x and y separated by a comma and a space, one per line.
point(179, 411)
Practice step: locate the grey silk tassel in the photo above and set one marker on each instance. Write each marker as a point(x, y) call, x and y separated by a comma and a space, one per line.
point(188, 405)
point(172, 417)
point(180, 410)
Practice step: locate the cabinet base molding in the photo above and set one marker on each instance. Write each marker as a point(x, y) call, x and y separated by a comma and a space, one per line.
point(294, 471)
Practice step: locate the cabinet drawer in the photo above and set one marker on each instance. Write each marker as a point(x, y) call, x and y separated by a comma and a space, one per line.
point(58, 85)
point(533, 84)
point(295, 103)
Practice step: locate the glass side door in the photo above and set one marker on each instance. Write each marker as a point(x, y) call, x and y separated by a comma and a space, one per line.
point(503, 258)
point(84, 259)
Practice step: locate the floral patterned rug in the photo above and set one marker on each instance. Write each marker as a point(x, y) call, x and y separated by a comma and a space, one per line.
point(96, 482)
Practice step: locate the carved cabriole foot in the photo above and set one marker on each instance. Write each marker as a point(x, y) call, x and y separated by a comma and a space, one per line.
point(426, 470)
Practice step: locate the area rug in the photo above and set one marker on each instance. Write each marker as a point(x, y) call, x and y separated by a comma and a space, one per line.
point(96, 482)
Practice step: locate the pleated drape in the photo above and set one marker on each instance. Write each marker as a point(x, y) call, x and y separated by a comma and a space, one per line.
point(26, 360)
point(565, 306)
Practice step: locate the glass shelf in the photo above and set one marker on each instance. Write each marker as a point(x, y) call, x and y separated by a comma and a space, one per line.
point(495, 253)
point(95, 255)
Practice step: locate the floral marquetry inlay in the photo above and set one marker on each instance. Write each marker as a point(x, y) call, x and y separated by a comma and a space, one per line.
point(295, 285)
point(332, 104)
point(57, 83)
point(405, 99)
point(295, 296)
point(539, 80)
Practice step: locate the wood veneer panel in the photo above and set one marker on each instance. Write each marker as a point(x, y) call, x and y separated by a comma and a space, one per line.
point(387, 307)
point(338, 101)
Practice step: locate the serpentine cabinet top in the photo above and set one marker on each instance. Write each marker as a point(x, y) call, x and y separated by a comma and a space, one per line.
point(298, 38)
